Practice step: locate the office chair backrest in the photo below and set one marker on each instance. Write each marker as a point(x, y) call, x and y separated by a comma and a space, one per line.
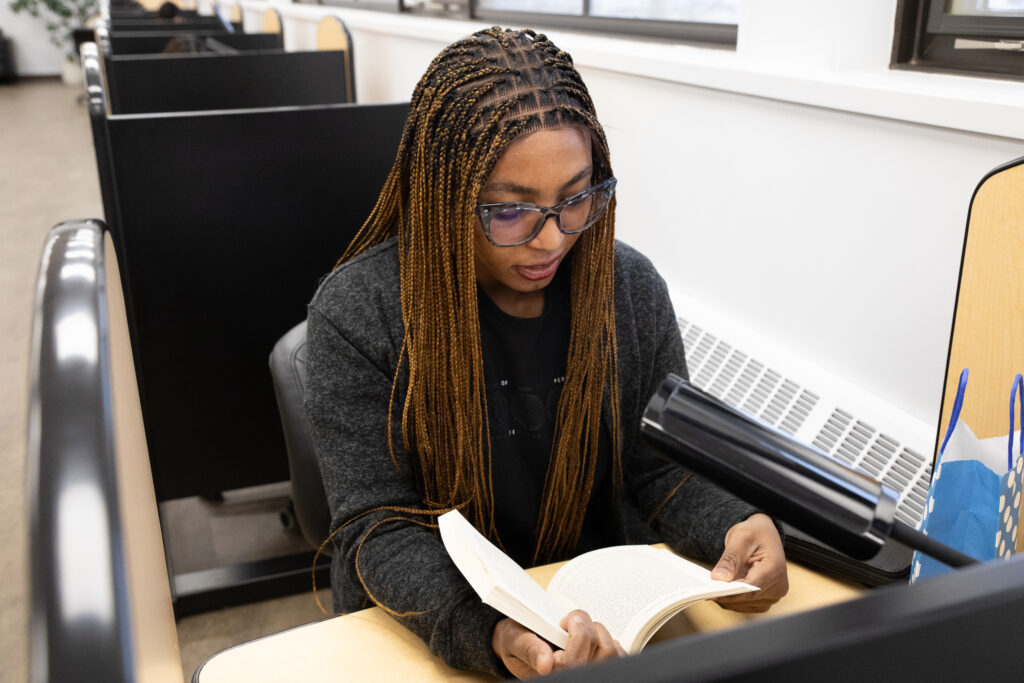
point(288, 370)
point(331, 34)
point(988, 323)
point(101, 601)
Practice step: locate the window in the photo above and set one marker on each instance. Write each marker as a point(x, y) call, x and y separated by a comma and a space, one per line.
point(708, 21)
point(978, 37)
point(389, 5)
point(448, 8)
point(705, 21)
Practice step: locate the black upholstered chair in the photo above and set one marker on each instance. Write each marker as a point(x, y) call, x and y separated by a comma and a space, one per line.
point(288, 369)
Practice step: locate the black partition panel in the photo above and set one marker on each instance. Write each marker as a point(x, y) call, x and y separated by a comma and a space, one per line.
point(117, 13)
point(154, 24)
point(207, 81)
point(155, 43)
point(228, 221)
point(217, 33)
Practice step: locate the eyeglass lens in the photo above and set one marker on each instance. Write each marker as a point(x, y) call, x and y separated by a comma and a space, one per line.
point(516, 224)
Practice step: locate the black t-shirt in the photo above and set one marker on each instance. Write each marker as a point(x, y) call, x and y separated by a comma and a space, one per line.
point(524, 369)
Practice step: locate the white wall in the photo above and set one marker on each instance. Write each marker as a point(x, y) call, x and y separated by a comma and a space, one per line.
point(795, 187)
point(33, 53)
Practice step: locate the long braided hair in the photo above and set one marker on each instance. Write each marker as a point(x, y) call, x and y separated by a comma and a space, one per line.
point(478, 96)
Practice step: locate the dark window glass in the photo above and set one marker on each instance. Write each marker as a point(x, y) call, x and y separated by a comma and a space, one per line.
point(975, 37)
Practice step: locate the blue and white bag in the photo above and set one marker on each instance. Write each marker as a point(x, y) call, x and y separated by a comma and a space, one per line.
point(975, 495)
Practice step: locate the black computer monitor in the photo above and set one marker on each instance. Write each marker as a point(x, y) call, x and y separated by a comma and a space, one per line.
point(961, 626)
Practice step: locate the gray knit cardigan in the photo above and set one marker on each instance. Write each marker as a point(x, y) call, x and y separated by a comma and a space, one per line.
point(354, 339)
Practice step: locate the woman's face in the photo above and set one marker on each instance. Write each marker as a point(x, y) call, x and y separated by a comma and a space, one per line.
point(544, 168)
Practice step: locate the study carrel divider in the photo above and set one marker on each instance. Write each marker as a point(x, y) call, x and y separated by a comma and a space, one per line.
point(163, 25)
point(224, 222)
point(149, 42)
point(228, 220)
point(208, 81)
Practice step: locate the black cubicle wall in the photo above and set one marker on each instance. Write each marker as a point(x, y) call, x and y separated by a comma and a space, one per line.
point(207, 81)
point(138, 43)
point(117, 13)
point(228, 221)
point(165, 25)
point(151, 38)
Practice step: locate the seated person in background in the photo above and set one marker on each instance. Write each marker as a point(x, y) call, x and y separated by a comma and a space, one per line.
point(169, 10)
point(485, 344)
point(179, 44)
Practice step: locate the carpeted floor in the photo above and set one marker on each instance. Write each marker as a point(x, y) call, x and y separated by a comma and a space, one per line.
point(48, 174)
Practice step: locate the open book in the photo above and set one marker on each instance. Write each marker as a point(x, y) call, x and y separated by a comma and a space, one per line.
point(631, 589)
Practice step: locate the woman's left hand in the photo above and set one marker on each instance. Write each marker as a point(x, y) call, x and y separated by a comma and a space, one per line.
point(753, 554)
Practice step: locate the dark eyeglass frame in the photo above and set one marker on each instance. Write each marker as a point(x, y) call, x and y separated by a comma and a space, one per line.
point(485, 211)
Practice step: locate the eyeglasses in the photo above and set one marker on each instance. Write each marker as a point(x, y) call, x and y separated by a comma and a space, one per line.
point(509, 224)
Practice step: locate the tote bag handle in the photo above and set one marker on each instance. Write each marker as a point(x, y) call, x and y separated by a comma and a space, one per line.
point(958, 403)
point(1018, 384)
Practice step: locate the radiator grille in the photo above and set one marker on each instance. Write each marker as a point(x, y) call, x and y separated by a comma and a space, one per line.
point(745, 382)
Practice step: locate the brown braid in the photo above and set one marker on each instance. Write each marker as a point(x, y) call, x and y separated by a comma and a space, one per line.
point(477, 97)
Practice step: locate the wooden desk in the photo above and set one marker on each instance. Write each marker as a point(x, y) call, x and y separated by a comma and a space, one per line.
point(371, 646)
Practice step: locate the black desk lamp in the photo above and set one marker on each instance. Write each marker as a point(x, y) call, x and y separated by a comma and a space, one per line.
point(786, 478)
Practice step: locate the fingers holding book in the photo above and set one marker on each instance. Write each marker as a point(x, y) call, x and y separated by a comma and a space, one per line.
point(589, 641)
point(526, 654)
point(523, 652)
point(753, 554)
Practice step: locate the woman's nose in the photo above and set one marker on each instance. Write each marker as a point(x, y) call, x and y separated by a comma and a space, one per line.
point(549, 237)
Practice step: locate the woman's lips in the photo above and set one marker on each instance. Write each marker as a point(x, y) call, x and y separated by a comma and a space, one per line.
point(540, 271)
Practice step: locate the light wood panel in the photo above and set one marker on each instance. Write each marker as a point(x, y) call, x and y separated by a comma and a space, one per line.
point(988, 326)
point(331, 34)
point(154, 633)
point(271, 21)
point(154, 5)
point(369, 645)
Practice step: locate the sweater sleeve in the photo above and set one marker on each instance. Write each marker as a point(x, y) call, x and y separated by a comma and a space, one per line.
point(403, 565)
point(690, 513)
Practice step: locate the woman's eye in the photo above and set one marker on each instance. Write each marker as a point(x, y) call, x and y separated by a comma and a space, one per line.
point(507, 215)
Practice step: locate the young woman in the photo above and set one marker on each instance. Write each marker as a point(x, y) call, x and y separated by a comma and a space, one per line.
point(485, 344)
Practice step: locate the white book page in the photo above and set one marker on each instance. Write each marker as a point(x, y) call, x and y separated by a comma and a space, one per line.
point(500, 582)
point(625, 587)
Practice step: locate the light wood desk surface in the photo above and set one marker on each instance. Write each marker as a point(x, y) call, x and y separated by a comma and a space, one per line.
point(371, 646)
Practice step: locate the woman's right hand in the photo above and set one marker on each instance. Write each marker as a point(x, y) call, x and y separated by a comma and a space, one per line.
point(527, 655)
